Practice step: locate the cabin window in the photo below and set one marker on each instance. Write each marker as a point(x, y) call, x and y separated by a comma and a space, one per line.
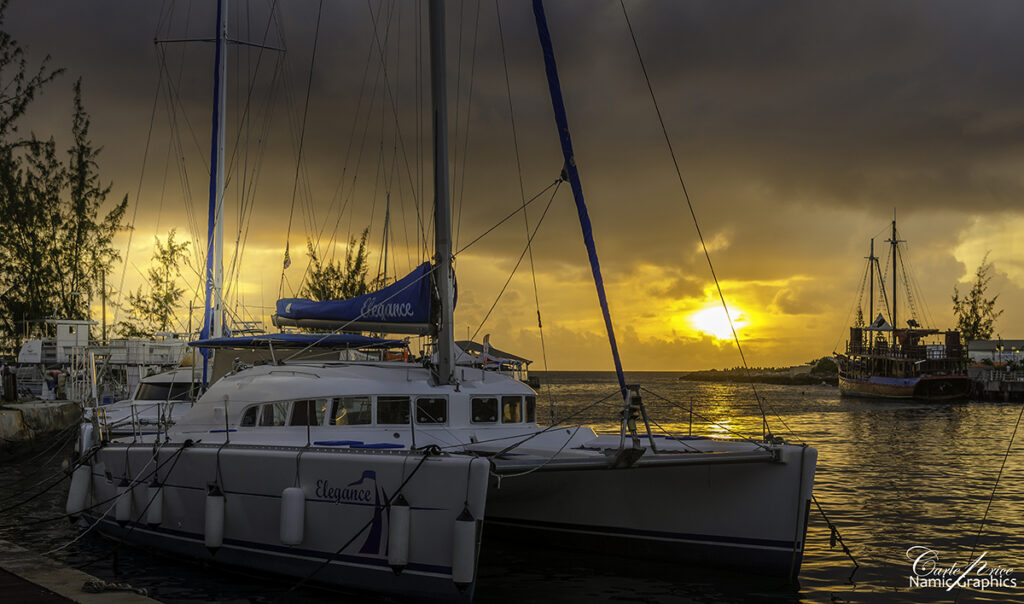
point(351, 411)
point(431, 410)
point(164, 392)
point(485, 410)
point(249, 417)
point(308, 413)
point(392, 410)
point(274, 414)
point(511, 409)
point(531, 409)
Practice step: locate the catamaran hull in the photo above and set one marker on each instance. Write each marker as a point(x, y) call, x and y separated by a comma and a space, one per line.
point(346, 511)
point(932, 388)
point(749, 515)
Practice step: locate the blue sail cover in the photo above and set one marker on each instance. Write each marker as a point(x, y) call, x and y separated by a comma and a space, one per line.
point(285, 340)
point(404, 301)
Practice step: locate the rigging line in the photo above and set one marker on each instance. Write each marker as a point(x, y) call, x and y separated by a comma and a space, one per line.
point(350, 194)
point(246, 189)
point(920, 303)
point(173, 458)
point(668, 434)
point(183, 181)
point(352, 135)
point(518, 262)
point(138, 195)
point(380, 175)
point(393, 103)
point(179, 104)
point(540, 465)
point(881, 287)
point(244, 114)
point(469, 113)
point(259, 161)
point(835, 531)
point(522, 190)
point(453, 164)
point(179, 148)
point(911, 298)
point(992, 495)
point(708, 419)
point(554, 183)
point(302, 134)
point(856, 302)
point(689, 203)
point(389, 181)
point(347, 199)
point(911, 279)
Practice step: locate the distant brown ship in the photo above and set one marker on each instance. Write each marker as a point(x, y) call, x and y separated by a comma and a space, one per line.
point(886, 361)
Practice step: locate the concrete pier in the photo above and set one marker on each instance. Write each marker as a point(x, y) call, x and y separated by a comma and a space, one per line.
point(25, 426)
point(27, 577)
point(997, 384)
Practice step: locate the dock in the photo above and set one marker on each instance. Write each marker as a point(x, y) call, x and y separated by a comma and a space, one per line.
point(28, 425)
point(998, 384)
point(29, 578)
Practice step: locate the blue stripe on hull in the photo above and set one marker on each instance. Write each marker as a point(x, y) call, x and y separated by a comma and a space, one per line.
point(764, 556)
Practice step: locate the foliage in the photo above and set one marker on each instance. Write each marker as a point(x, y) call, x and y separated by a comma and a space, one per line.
point(54, 241)
point(825, 366)
point(151, 312)
point(333, 280)
point(975, 313)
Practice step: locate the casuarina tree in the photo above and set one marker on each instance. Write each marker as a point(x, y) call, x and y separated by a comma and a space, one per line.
point(974, 311)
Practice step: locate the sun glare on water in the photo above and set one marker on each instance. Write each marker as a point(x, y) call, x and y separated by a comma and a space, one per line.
point(714, 322)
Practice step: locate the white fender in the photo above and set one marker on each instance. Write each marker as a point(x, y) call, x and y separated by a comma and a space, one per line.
point(155, 501)
point(123, 508)
point(214, 529)
point(85, 432)
point(81, 480)
point(293, 516)
point(399, 534)
point(464, 549)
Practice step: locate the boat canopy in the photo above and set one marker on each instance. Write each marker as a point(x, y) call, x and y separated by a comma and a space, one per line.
point(405, 306)
point(879, 324)
point(299, 340)
point(485, 353)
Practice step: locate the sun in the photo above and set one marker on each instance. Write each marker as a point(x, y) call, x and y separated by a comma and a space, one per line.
point(714, 322)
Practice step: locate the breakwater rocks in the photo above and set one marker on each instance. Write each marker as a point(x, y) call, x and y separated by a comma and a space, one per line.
point(26, 426)
point(782, 377)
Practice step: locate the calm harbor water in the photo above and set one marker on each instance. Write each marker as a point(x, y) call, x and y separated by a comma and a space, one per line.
point(891, 476)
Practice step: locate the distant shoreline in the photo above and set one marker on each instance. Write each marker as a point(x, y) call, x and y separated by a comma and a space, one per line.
point(736, 376)
point(759, 377)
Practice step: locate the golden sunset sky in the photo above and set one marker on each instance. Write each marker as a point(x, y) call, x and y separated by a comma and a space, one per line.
point(800, 128)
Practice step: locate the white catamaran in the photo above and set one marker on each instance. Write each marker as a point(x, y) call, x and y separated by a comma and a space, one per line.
point(390, 476)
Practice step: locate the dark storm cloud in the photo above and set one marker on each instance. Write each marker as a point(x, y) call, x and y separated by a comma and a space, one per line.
point(872, 104)
point(798, 126)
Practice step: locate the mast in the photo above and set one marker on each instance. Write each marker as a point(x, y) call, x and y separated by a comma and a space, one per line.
point(871, 290)
point(214, 313)
point(442, 210)
point(577, 187)
point(894, 242)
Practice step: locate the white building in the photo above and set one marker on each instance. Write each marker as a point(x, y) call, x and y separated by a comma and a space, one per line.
point(996, 351)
